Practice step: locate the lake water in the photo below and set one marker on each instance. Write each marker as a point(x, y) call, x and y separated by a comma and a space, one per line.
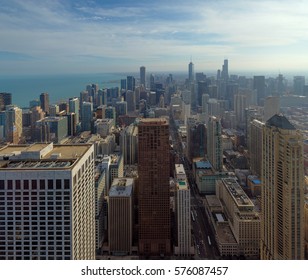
point(59, 87)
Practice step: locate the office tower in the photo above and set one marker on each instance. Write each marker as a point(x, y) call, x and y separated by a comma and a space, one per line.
point(5, 99)
point(130, 83)
point(225, 70)
point(255, 132)
point(110, 113)
point(152, 82)
point(259, 86)
point(101, 97)
point(196, 139)
point(298, 85)
point(241, 215)
point(282, 230)
point(44, 99)
point(103, 127)
point(121, 108)
point(271, 107)
point(63, 107)
point(116, 167)
point(53, 110)
point(13, 124)
point(51, 129)
point(142, 76)
point(131, 101)
point(120, 216)
point(123, 84)
point(86, 116)
point(154, 193)
point(48, 193)
point(205, 108)
point(191, 73)
point(182, 212)
point(241, 102)
point(202, 89)
point(73, 107)
point(214, 143)
point(129, 144)
point(84, 97)
point(200, 77)
point(71, 124)
point(2, 125)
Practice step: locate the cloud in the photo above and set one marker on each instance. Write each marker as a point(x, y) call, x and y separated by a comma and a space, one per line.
point(111, 31)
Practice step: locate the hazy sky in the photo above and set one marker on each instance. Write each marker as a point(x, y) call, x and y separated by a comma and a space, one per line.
point(119, 36)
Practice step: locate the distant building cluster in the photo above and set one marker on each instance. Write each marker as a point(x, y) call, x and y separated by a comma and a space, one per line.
point(159, 167)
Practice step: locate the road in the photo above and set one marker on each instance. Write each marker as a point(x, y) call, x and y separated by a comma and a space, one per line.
point(202, 231)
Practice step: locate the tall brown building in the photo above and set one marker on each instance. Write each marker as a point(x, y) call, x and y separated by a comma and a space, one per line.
point(44, 99)
point(154, 192)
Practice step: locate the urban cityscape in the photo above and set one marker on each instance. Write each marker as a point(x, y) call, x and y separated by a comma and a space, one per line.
point(162, 166)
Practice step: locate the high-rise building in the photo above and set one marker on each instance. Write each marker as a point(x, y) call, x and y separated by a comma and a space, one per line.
point(259, 86)
point(120, 216)
point(44, 99)
point(196, 139)
point(48, 194)
point(191, 72)
point(282, 195)
point(241, 102)
point(271, 107)
point(225, 70)
point(13, 124)
point(154, 192)
point(243, 218)
point(255, 146)
point(214, 143)
point(51, 129)
point(73, 107)
point(142, 76)
point(129, 144)
point(130, 83)
point(86, 116)
point(131, 101)
point(183, 246)
point(5, 99)
point(298, 85)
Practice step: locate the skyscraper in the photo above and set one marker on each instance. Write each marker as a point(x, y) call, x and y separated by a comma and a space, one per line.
point(259, 86)
point(191, 72)
point(120, 216)
point(13, 124)
point(214, 143)
point(182, 212)
point(225, 70)
point(142, 76)
point(154, 192)
point(282, 228)
point(44, 99)
point(5, 99)
point(48, 194)
point(130, 83)
point(86, 116)
point(73, 104)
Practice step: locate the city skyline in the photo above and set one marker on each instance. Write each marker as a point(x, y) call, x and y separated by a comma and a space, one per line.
point(114, 36)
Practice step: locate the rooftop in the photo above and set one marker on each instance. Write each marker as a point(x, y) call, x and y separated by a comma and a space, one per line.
point(41, 155)
point(203, 164)
point(280, 121)
point(121, 187)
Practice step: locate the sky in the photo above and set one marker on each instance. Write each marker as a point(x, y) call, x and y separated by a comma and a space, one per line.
point(74, 36)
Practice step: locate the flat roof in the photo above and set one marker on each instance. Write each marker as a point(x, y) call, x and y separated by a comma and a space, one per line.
point(237, 193)
point(203, 164)
point(56, 156)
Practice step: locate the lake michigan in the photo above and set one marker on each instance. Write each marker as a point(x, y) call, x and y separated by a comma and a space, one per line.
point(59, 87)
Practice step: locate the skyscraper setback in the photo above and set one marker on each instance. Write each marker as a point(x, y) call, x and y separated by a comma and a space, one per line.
point(154, 192)
point(282, 228)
